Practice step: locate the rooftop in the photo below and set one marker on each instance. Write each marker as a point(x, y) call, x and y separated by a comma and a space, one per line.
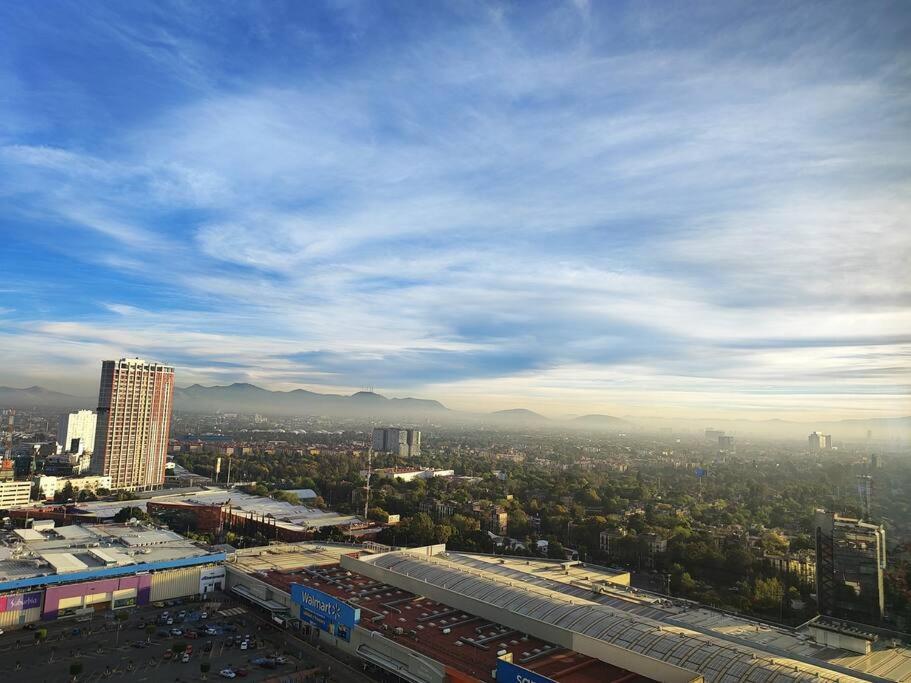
point(49, 556)
point(455, 638)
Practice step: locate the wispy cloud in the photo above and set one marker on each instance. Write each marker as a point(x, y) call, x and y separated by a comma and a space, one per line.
point(571, 203)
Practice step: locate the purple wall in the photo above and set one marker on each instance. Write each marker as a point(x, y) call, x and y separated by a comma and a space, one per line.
point(52, 596)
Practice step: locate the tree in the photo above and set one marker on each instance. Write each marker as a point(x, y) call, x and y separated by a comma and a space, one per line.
point(128, 513)
point(75, 669)
point(768, 593)
point(204, 668)
point(378, 514)
point(40, 635)
point(419, 529)
point(150, 629)
point(178, 647)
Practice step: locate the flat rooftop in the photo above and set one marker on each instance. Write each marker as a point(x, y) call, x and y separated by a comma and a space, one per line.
point(442, 632)
point(286, 515)
point(55, 552)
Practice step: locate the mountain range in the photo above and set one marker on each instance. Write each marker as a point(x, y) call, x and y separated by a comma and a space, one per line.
point(249, 398)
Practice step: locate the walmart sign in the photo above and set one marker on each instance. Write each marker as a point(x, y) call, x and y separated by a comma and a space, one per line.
point(325, 611)
point(507, 672)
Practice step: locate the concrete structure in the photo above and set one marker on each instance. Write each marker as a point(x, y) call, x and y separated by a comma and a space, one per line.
point(850, 559)
point(49, 485)
point(404, 443)
point(14, 494)
point(726, 444)
point(75, 571)
point(76, 432)
point(134, 417)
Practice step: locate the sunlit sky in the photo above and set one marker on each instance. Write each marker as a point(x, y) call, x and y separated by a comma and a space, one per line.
point(627, 208)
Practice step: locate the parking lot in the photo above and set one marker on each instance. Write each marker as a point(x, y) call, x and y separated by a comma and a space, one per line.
point(145, 647)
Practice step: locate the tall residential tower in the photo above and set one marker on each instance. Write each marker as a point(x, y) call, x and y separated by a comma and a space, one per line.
point(134, 419)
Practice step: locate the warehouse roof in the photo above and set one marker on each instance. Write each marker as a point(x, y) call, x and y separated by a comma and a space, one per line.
point(718, 660)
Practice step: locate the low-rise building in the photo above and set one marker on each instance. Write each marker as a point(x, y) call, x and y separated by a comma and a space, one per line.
point(14, 494)
point(48, 485)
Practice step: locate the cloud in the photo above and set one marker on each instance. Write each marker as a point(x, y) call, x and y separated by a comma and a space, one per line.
point(477, 199)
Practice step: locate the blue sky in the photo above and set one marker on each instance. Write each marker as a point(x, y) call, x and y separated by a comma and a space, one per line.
point(632, 208)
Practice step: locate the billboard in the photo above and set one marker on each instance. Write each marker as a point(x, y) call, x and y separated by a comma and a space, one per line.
point(20, 601)
point(324, 611)
point(507, 672)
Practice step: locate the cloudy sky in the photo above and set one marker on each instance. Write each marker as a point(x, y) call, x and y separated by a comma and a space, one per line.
point(638, 209)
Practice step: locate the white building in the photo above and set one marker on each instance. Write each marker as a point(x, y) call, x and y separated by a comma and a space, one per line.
point(76, 432)
point(15, 493)
point(408, 474)
point(48, 485)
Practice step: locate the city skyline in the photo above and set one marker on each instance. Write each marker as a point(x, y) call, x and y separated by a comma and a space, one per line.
point(571, 208)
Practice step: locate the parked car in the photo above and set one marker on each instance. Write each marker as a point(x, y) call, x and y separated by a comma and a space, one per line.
point(185, 658)
point(176, 632)
point(227, 673)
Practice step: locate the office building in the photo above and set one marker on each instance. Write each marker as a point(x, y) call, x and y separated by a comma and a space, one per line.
point(819, 441)
point(76, 432)
point(134, 417)
point(404, 443)
point(726, 444)
point(850, 559)
point(49, 485)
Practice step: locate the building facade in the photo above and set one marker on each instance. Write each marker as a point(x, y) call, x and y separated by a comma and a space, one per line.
point(818, 441)
point(404, 443)
point(76, 432)
point(14, 494)
point(850, 559)
point(134, 417)
point(49, 485)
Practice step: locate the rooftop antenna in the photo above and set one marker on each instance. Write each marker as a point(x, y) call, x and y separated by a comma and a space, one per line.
point(369, 472)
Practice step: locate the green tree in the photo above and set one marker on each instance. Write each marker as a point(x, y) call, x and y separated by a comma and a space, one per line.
point(75, 669)
point(204, 668)
point(768, 593)
point(378, 514)
point(128, 513)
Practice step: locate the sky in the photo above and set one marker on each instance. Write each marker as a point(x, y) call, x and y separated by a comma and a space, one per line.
point(641, 208)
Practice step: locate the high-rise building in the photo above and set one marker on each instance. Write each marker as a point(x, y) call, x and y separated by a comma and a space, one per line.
point(134, 418)
point(404, 443)
point(76, 432)
point(819, 441)
point(726, 444)
point(850, 559)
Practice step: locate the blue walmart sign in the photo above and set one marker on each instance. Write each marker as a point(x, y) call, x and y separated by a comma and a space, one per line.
point(507, 672)
point(325, 611)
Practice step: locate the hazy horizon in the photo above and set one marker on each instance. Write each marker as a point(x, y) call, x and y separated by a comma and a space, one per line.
point(627, 209)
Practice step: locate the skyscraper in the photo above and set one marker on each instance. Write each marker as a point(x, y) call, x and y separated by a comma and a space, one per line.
point(819, 441)
point(134, 418)
point(402, 442)
point(76, 432)
point(850, 558)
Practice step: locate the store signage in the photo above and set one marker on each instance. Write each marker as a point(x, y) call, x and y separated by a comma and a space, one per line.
point(22, 601)
point(325, 611)
point(211, 579)
point(507, 672)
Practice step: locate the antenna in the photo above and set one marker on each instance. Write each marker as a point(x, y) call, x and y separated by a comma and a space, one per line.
point(369, 472)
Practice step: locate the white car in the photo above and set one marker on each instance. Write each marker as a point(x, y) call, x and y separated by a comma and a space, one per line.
point(244, 645)
point(185, 658)
point(204, 615)
point(227, 673)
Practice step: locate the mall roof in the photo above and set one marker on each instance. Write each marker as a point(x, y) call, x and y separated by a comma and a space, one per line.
point(71, 553)
point(576, 616)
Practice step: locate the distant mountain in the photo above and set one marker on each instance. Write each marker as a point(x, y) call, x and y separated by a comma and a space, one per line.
point(601, 422)
point(249, 398)
point(518, 415)
point(39, 397)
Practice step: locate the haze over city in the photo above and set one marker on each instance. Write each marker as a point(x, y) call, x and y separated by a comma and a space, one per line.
point(631, 209)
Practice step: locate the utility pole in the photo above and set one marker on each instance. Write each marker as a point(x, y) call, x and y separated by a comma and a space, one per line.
point(369, 471)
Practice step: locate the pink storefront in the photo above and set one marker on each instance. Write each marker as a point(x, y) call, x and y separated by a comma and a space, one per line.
point(101, 595)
